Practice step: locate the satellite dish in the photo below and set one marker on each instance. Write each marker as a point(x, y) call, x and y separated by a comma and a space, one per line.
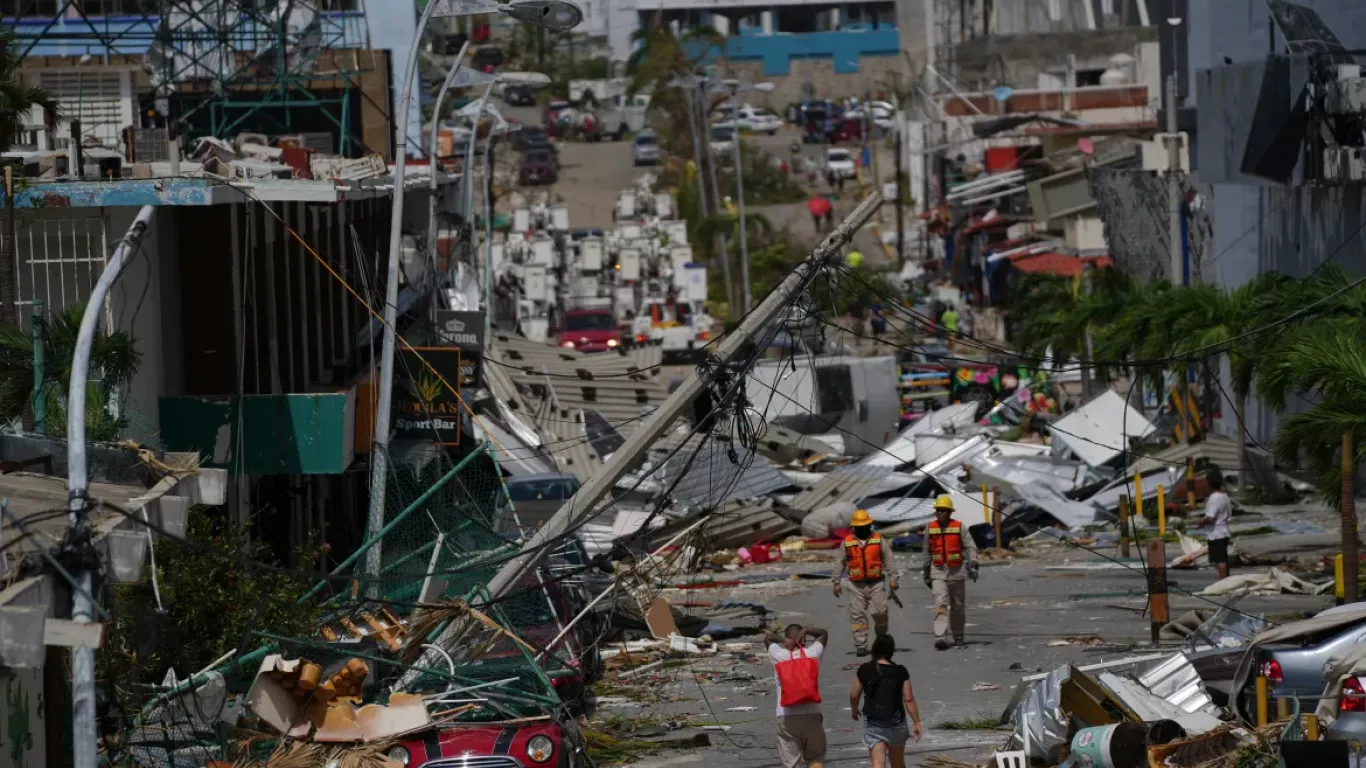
point(1086, 146)
point(1003, 93)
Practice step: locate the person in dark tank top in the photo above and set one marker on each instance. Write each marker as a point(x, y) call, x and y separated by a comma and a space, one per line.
point(882, 693)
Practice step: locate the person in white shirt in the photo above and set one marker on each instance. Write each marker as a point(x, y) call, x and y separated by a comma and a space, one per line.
point(1218, 510)
point(801, 729)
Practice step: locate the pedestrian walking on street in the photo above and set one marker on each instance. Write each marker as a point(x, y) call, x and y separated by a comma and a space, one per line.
point(820, 211)
point(871, 571)
point(885, 690)
point(801, 729)
point(1218, 510)
point(950, 560)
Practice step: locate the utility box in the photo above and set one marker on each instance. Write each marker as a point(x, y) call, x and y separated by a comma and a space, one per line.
point(664, 205)
point(590, 254)
point(543, 252)
point(559, 218)
point(521, 219)
point(676, 230)
point(695, 283)
point(629, 231)
point(628, 265)
point(534, 282)
point(626, 205)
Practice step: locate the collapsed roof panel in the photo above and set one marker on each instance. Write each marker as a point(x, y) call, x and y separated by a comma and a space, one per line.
point(1099, 431)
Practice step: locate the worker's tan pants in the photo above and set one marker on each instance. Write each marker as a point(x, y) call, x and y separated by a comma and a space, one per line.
point(867, 601)
point(950, 607)
point(801, 740)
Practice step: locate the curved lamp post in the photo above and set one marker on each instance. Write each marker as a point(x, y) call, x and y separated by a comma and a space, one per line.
point(553, 14)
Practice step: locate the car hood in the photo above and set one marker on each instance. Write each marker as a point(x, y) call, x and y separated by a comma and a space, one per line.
point(500, 739)
point(577, 336)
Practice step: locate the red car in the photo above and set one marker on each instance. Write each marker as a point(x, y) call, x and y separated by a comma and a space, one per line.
point(541, 744)
point(590, 330)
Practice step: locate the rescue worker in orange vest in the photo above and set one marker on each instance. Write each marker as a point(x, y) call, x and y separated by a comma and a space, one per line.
point(868, 563)
point(950, 559)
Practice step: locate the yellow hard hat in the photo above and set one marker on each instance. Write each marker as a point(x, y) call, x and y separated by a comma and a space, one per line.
point(861, 517)
point(943, 502)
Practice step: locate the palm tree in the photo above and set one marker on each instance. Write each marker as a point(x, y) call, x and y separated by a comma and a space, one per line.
point(16, 100)
point(114, 356)
point(1326, 358)
point(1209, 320)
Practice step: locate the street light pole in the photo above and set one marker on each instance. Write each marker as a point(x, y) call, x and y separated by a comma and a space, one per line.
point(85, 735)
point(740, 201)
point(720, 239)
point(432, 149)
point(562, 14)
point(379, 456)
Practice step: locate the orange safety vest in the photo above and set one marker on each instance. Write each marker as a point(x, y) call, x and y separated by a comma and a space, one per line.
point(945, 544)
point(863, 559)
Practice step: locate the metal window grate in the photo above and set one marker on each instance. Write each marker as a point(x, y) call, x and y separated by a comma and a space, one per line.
point(93, 97)
point(151, 145)
point(58, 261)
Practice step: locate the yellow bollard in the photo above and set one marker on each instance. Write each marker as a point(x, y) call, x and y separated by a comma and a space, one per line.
point(1282, 708)
point(1161, 511)
point(986, 507)
point(1190, 485)
point(1311, 727)
point(1138, 494)
point(1339, 584)
point(1261, 701)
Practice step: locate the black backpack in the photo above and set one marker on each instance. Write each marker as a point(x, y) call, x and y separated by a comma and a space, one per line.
point(883, 698)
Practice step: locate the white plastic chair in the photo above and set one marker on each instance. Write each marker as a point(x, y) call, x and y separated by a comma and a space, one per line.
point(1014, 759)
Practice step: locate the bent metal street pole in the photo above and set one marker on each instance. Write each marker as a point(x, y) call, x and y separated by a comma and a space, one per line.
point(584, 503)
point(559, 14)
point(84, 733)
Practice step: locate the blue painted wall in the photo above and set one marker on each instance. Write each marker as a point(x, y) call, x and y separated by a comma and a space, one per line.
point(845, 48)
point(131, 35)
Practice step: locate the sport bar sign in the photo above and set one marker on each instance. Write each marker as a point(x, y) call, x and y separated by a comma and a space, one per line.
point(425, 408)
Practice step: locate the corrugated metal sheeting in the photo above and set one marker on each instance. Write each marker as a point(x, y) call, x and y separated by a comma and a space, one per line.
point(850, 484)
point(712, 478)
point(1220, 451)
point(737, 524)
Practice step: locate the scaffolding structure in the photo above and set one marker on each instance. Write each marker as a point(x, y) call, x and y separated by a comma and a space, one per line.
point(216, 67)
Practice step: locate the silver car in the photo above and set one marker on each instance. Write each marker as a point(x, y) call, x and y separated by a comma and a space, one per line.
point(645, 150)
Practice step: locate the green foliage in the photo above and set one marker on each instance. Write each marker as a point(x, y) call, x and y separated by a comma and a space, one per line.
point(114, 359)
point(212, 606)
point(17, 97)
point(765, 182)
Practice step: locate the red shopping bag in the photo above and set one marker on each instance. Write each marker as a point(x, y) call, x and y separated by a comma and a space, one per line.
point(799, 678)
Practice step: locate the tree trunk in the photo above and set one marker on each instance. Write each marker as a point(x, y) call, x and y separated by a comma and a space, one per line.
point(1242, 445)
point(1087, 385)
point(9, 313)
point(1349, 520)
point(1136, 391)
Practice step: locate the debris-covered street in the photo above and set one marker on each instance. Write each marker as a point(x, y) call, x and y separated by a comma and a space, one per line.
point(560, 384)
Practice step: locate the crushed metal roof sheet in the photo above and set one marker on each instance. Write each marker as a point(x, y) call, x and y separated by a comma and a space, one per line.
point(709, 477)
point(777, 443)
point(902, 449)
point(607, 382)
point(909, 511)
point(737, 524)
point(849, 484)
point(1100, 430)
point(1220, 451)
point(511, 453)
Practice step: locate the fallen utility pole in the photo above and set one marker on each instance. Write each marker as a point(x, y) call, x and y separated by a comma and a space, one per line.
point(584, 503)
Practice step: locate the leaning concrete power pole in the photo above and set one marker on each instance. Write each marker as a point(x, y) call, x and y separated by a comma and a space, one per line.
point(584, 503)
